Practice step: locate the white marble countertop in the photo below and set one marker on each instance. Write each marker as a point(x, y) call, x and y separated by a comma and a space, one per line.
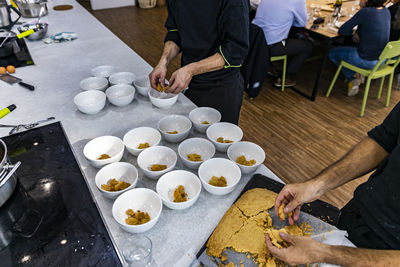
point(58, 69)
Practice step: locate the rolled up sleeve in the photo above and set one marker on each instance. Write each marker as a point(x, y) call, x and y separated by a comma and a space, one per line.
point(170, 24)
point(387, 134)
point(234, 27)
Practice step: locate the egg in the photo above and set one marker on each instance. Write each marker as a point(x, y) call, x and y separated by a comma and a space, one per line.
point(10, 69)
point(3, 70)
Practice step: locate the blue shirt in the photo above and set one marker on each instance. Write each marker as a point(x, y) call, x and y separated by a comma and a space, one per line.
point(276, 17)
point(373, 31)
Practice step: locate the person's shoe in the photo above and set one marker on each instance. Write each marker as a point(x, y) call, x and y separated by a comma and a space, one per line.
point(353, 87)
point(288, 82)
point(273, 72)
point(362, 79)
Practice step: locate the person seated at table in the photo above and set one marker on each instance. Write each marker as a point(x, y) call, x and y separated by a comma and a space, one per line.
point(371, 218)
point(371, 37)
point(393, 6)
point(276, 17)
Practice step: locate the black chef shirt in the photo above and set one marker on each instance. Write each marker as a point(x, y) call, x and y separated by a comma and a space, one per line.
point(379, 198)
point(202, 28)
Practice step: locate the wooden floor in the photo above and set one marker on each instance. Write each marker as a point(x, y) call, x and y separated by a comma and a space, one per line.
point(299, 137)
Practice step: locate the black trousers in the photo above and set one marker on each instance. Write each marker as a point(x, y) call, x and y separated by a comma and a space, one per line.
point(360, 234)
point(224, 96)
point(297, 49)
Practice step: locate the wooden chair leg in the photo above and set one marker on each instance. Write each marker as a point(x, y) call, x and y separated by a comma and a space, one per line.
point(284, 73)
point(380, 88)
point(364, 103)
point(389, 89)
point(334, 80)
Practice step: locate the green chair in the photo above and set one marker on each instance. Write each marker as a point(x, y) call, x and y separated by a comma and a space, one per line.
point(284, 58)
point(388, 61)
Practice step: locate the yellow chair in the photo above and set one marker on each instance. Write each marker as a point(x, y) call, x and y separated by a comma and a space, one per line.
point(284, 58)
point(388, 61)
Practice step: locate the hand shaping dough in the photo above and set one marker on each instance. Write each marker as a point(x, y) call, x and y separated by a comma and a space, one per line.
point(245, 225)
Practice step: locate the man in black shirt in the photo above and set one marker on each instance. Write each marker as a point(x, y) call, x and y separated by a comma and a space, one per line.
point(213, 36)
point(371, 218)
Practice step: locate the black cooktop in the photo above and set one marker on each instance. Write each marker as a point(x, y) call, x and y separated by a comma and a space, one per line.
point(51, 219)
point(21, 56)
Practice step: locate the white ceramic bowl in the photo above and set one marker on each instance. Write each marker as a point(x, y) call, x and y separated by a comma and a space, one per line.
point(198, 115)
point(110, 145)
point(141, 135)
point(142, 199)
point(219, 167)
point(171, 123)
point(121, 171)
point(228, 131)
point(200, 146)
point(162, 100)
point(122, 78)
point(103, 71)
point(167, 184)
point(94, 83)
point(121, 94)
point(156, 155)
point(250, 151)
point(142, 84)
point(90, 102)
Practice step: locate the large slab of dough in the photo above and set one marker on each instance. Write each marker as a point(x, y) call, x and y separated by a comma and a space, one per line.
point(245, 225)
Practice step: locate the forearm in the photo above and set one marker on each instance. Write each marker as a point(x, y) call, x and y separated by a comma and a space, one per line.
point(171, 50)
point(360, 160)
point(346, 256)
point(212, 63)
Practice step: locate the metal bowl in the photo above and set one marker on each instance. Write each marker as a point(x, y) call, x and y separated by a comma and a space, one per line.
point(40, 30)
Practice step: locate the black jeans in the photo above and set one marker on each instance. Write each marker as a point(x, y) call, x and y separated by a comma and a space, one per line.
point(224, 96)
point(297, 49)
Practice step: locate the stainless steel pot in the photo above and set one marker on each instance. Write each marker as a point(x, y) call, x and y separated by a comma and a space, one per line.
point(8, 180)
point(32, 8)
point(5, 16)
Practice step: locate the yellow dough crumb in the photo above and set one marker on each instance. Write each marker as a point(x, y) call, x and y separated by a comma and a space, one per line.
point(160, 88)
point(157, 167)
point(222, 140)
point(136, 218)
point(180, 194)
point(104, 156)
point(173, 132)
point(194, 157)
point(243, 161)
point(114, 185)
point(143, 146)
point(205, 122)
point(218, 181)
point(282, 214)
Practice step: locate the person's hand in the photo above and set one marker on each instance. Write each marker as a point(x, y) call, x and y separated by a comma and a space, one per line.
point(301, 250)
point(293, 196)
point(158, 75)
point(180, 80)
point(356, 38)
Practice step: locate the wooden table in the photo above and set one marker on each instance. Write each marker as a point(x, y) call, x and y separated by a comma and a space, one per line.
point(325, 32)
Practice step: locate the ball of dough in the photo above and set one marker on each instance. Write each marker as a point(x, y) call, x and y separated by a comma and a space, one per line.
point(3, 70)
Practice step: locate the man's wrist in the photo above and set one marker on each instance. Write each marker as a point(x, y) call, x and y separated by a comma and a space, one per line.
point(191, 69)
point(323, 253)
point(163, 62)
